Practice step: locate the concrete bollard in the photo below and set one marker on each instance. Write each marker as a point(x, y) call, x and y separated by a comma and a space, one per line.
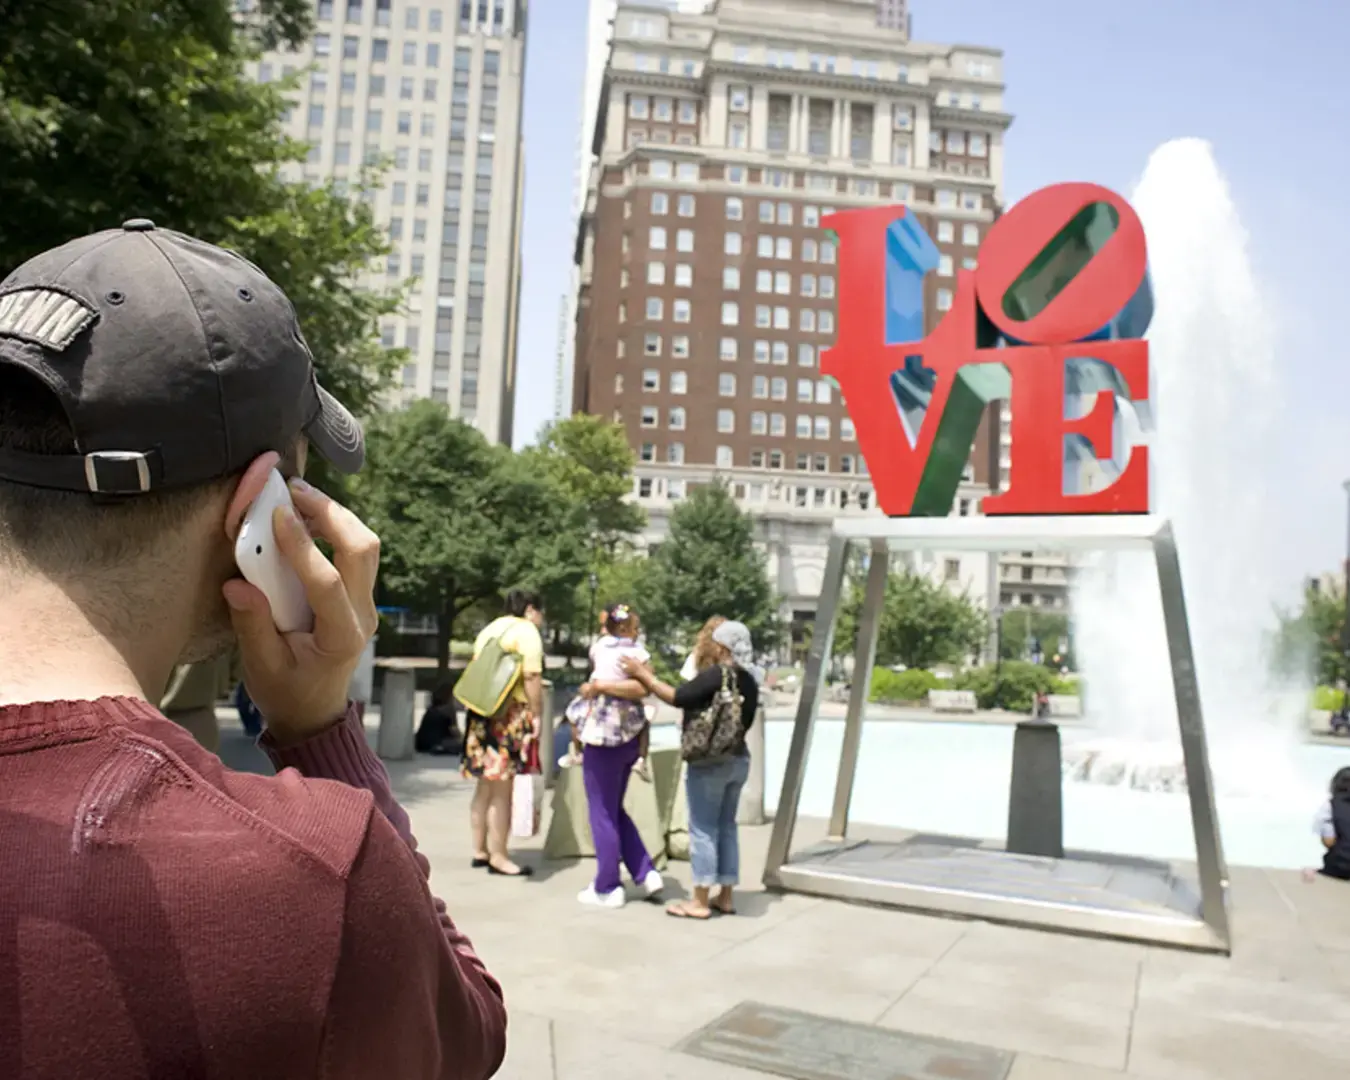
point(1035, 796)
point(397, 722)
point(751, 808)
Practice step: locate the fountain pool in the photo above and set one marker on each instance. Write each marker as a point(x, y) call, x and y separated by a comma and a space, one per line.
point(952, 778)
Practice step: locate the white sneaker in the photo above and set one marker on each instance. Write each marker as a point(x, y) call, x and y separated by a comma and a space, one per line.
point(614, 899)
point(653, 884)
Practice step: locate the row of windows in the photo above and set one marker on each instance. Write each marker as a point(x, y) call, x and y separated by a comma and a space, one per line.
point(973, 143)
point(809, 391)
point(771, 213)
point(374, 122)
point(766, 317)
point(662, 109)
point(765, 352)
point(412, 15)
point(761, 423)
point(733, 243)
point(801, 497)
point(725, 458)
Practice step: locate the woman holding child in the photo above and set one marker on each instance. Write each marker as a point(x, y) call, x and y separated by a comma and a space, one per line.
point(611, 725)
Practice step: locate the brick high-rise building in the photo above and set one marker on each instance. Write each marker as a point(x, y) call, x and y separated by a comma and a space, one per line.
point(436, 90)
point(707, 285)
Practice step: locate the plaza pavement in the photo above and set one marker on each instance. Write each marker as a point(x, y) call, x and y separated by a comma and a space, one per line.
point(607, 995)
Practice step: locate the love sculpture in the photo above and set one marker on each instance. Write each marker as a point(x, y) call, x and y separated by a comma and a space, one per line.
point(1057, 306)
point(1051, 322)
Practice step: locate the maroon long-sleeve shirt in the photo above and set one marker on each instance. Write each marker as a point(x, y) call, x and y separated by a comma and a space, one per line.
point(165, 918)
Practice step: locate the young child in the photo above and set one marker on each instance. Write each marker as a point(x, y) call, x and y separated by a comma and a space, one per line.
point(610, 719)
point(1333, 826)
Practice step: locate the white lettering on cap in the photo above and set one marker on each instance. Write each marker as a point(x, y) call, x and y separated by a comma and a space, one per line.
point(43, 316)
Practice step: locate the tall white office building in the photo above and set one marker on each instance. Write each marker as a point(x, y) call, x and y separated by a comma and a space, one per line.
point(436, 89)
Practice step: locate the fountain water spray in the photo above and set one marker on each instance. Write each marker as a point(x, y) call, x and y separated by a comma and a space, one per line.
point(1216, 411)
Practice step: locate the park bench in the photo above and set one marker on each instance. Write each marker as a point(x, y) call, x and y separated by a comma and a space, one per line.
point(1062, 705)
point(962, 701)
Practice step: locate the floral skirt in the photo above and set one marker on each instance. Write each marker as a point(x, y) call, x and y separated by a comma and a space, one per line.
point(500, 747)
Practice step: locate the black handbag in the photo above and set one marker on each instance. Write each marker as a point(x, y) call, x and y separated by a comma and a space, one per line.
point(717, 732)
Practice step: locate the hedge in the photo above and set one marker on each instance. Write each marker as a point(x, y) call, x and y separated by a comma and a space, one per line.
point(893, 687)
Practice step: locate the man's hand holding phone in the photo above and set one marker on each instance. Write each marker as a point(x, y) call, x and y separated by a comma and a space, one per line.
point(299, 680)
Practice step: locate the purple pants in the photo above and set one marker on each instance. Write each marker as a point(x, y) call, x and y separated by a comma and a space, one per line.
point(606, 770)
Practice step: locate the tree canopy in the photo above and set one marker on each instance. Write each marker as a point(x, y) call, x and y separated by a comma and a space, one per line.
point(114, 109)
point(707, 566)
point(1310, 642)
point(922, 622)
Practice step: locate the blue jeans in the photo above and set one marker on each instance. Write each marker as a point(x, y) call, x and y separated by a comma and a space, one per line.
point(714, 792)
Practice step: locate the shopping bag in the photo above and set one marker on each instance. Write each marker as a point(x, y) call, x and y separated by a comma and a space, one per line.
point(525, 806)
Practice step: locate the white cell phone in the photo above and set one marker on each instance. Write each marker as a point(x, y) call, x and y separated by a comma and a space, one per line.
point(263, 565)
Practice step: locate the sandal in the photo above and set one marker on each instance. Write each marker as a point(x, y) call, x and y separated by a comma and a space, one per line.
point(683, 910)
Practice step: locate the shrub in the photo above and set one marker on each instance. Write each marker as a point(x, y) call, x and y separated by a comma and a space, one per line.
point(1012, 685)
point(1069, 687)
point(1328, 699)
point(897, 686)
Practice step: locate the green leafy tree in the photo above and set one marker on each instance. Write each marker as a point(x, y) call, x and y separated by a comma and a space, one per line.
point(591, 462)
point(461, 520)
point(708, 565)
point(1310, 642)
point(1023, 627)
point(112, 109)
point(922, 623)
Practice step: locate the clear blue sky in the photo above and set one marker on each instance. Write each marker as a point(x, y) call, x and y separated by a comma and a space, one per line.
point(1095, 86)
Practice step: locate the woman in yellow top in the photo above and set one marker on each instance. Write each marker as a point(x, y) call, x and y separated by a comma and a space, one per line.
point(497, 748)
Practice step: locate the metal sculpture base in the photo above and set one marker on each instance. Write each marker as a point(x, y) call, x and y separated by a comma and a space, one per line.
point(1082, 893)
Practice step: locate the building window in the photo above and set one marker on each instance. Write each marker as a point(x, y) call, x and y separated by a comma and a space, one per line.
point(656, 273)
point(725, 457)
point(759, 424)
point(806, 391)
point(676, 418)
point(944, 299)
point(826, 251)
point(735, 208)
point(809, 251)
point(761, 352)
point(726, 385)
point(764, 247)
point(970, 234)
point(759, 388)
point(946, 232)
point(806, 355)
point(728, 349)
point(778, 389)
point(726, 421)
point(684, 240)
point(780, 352)
point(738, 134)
point(763, 316)
point(822, 427)
point(732, 243)
point(764, 281)
point(824, 391)
point(945, 199)
point(738, 98)
point(826, 286)
point(782, 283)
point(825, 322)
point(680, 310)
point(684, 275)
point(645, 487)
point(679, 382)
point(730, 313)
point(648, 451)
point(651, 380)
point(782, 247)
point(656, 238)
point(675, 453)
point(650, 416)
point(803, 428)
point(978, 145)
point(655, 308)
point(731, 277)
point(638, 106)
point(685, 207)
point(660, 203)
point(806, 320)
point(651, 345)
point(945, 266)
point(679, 346)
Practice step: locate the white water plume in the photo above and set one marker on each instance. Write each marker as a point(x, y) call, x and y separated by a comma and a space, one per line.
point(1216, 409)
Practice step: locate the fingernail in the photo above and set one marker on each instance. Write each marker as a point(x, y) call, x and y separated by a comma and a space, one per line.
point(234, 602)
point(299, 485)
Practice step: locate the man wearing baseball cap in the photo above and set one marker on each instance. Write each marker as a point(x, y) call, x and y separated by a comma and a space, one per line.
point(160, 915)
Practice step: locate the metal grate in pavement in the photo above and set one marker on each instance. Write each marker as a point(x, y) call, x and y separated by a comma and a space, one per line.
point(803, 1046)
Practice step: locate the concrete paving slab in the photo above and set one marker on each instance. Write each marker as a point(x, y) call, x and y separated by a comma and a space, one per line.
point(585, 1051)
point(1067, 1027)
point(1035, 1067)
point(529, 1048)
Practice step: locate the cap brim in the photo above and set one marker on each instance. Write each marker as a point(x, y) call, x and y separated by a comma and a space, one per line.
point(336, 435)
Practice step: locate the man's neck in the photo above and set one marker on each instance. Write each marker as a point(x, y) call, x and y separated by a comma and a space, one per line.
point(54, 647)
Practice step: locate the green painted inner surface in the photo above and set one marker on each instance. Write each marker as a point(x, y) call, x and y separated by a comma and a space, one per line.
point(1060, 261)
point(973, 389)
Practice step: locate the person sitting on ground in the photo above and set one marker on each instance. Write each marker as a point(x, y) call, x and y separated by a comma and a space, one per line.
point(199, 921)
point(1333, 826)
point(438, 732)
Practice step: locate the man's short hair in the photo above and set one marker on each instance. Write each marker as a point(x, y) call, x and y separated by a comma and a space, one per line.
point(519, 601)
point(65, 533)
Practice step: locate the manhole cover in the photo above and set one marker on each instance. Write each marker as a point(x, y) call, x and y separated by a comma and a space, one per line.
point(806, 1047)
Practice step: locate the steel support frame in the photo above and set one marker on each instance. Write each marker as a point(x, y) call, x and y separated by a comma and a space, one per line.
point(994, 535)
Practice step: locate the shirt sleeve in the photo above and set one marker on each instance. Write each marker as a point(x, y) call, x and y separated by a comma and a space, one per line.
point(410, 996)
point(531, 648)
point(698, 692)
point(1323, 824)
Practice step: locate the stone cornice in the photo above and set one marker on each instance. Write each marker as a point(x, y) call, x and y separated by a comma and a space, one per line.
point(823, 79)
point(978, 117)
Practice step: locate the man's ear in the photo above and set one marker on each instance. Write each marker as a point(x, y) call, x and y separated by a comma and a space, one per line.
point(249, 488)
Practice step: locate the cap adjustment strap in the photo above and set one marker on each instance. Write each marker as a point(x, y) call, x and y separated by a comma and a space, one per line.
point(102, 472)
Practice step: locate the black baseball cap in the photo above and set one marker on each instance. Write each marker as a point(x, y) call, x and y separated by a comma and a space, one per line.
point(177, 363)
